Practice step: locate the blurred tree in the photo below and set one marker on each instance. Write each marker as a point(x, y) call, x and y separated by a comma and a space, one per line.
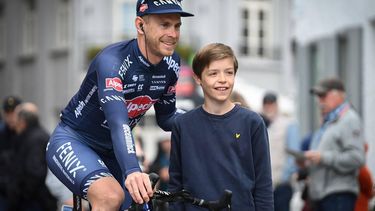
point(92, 51)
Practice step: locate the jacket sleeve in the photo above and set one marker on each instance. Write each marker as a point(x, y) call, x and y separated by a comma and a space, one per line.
point(262, 193)
point(111, 98)
point(175, 170)
point(351, 155)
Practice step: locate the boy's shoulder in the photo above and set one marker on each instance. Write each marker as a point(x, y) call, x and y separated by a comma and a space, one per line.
point(189, 114)
point(238, 112)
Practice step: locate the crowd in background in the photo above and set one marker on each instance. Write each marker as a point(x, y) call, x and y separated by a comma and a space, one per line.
point(331, 158)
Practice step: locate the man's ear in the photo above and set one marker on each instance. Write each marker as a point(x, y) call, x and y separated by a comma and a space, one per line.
point(139, 25)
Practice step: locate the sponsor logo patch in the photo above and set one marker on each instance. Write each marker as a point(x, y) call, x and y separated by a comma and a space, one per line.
point(139, 105)
point(113, 83)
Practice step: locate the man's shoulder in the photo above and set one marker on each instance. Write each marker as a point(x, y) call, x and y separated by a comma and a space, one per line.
point(116, 48)
point(38, 134)
point(171, 62)
point(350, 117)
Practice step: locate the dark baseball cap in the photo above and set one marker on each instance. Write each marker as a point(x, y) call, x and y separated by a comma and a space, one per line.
point(10, 103)
point(145, 7)
point(327, 85)
point(269, 97)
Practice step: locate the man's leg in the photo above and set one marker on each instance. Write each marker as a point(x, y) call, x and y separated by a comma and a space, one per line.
point(282, 195)
point(105, 194)
point(338, 201)
point(82, 170)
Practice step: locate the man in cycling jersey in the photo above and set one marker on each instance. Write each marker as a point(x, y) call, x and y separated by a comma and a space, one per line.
point(92, 149)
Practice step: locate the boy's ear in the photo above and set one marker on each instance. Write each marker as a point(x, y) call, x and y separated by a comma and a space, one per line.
point(197, 79)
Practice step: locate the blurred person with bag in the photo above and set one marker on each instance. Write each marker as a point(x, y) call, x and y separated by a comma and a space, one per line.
point(337, 150)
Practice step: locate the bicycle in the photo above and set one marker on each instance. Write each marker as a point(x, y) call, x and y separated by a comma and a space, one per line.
point(166, 197)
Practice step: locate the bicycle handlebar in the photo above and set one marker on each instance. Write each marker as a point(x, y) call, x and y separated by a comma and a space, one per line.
point(185, 196)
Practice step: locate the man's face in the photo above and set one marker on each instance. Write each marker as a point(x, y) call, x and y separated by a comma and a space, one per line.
point(10, 119)
point(270, 110)
point(162, 33)
point(217, 81)
point(19, 123)
point(329, 101)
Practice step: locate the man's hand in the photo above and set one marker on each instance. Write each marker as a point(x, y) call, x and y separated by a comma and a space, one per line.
point(313, 156)
point(139, 187)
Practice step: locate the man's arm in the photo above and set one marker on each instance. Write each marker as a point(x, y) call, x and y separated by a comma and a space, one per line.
point(351, 155)
point(110, 87)
point(165, 109)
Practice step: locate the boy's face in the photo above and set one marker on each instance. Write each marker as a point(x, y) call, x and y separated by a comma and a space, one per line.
point(217, 81)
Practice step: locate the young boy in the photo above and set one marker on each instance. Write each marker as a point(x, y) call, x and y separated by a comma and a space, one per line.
point(220, 145)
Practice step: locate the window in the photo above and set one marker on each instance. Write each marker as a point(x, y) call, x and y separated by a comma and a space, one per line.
point(62, 23)
point(2, 32)
point(257, 29)
point(245, 32)
point(28, 27)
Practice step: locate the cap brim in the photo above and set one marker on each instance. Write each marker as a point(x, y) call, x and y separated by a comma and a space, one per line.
point(318, 91)
point(182, 13)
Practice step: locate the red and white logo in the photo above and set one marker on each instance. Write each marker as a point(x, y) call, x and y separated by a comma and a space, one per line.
point(171, 90)
point(143, 7)
point(139, 105)
point(114, 83)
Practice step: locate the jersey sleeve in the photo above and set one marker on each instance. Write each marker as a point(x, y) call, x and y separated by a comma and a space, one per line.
point(165, 108)
point(113, 104)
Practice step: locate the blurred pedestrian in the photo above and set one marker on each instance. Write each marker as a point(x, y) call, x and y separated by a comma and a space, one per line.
point(7, 134)
point(237, 97)
point(220, 145)
point(62, 194)
point(161, 163)
point(336, 151)
point(27, 189)
point(283, 134)
point(161, 166)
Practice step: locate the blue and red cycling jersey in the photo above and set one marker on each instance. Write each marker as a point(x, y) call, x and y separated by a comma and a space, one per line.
point(120, 86)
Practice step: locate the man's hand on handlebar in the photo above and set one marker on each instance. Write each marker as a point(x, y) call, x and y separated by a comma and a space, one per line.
point(139, 187)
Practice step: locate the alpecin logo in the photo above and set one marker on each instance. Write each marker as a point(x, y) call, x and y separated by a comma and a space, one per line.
point(139, 105)
point(114, 83)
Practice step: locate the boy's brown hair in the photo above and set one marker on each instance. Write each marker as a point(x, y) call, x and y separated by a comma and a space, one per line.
point(212, 52)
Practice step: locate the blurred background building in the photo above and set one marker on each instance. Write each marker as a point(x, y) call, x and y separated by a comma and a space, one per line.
point(282, 45)
point(336, 38)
